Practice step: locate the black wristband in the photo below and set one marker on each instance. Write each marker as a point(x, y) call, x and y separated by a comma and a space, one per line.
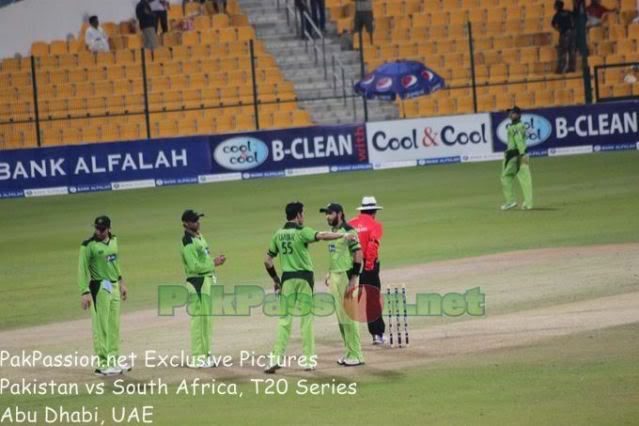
point(271, 271)
point(86, 292)
point(357, 268)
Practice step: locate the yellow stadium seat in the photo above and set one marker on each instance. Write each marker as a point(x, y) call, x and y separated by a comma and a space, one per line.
point(11, 64)
point(221, 21)
point(39, 48)
point(190, 38)
point(245, 33)
point(239, 21)
point(58, 48)
point(192, 9)
point(202, 22)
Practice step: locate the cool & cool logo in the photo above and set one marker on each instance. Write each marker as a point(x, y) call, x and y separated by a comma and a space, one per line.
point(241, 153)
point(446, 136)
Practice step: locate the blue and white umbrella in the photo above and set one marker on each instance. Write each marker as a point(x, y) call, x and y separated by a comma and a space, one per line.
point(403, 79)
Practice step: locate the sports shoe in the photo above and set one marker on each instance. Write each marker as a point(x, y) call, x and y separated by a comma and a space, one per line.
point(352, 362)
point(526, 207)
point(125, 367)
point(272, 369)
point(209, 362)
point(378, 339)
point(509, 206)
point(198, 363)
point(100, 372)
point(107, 371)
point(340, 360)
point(309, 368)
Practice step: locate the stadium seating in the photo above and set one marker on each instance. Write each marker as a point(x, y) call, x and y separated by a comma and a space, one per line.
point(199, 82)
point(513, 43)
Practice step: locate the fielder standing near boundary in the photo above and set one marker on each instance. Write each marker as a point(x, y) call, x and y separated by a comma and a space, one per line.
point(370, 233)
point(296, 285)
point(199, 269)
point(516, 163)
point(101, 284)
point(345, 264)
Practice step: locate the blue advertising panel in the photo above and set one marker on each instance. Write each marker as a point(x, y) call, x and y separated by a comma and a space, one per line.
point(260, 154)
point(604, 127)
point(98, 167)
point(199, 159)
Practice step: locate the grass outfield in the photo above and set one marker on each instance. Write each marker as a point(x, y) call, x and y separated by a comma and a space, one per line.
point(589, 378)
point(430, 214)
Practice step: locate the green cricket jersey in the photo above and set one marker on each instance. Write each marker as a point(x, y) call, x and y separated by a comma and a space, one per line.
point(341, 252)
point(517, 137)
point(291, 243)
point(98, 262)
point(196, 256)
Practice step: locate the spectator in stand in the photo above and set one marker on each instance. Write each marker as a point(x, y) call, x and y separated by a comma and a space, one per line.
point(220, 6)
point(596, 13)
point(147, 21)
point(636, 20)
point(581, 19)
point(160, 10)
point(212, 7)
point(95, 37)
point(318, 12)
point(564, 23)
point(364, 17)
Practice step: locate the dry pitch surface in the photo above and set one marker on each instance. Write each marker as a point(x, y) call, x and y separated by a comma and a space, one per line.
point(530, 295)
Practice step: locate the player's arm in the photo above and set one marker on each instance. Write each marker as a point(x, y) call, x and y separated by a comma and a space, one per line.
point(358, 258)
point(273, 251)
point(520, 143)
point(193, 261)
point(520, 140)
point(372, 249)
point(270, 269)
point(329, 236)
point(124, 290)
point(84, 277)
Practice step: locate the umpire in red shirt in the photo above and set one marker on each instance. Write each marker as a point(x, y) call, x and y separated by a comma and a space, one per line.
point(370, 233)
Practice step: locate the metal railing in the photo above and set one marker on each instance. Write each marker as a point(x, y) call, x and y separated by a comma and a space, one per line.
point(627, 73)
point(317, 40)
point(45, 111)
point(318, 43)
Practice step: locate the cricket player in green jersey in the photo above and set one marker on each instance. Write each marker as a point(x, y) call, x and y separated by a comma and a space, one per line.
point(516, 164)
point(102, 286)
point(199, 269)
point(296, 285)
point(345, 265)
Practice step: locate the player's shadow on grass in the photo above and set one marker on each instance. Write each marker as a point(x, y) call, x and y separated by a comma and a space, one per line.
point(543, 209)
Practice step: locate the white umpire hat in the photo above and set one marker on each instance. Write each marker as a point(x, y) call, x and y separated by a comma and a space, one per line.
point(369, 203)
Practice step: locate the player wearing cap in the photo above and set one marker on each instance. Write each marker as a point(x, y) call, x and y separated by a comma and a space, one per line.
point(102, 286)
point(199, 269)
point(370, 233)
point(296, 285)
point(516, 163)
point(345, 264)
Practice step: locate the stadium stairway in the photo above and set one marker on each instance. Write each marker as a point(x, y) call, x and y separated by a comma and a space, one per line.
point(298, 65)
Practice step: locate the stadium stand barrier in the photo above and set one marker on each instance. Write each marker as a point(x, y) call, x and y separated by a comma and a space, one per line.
point(311, 150)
